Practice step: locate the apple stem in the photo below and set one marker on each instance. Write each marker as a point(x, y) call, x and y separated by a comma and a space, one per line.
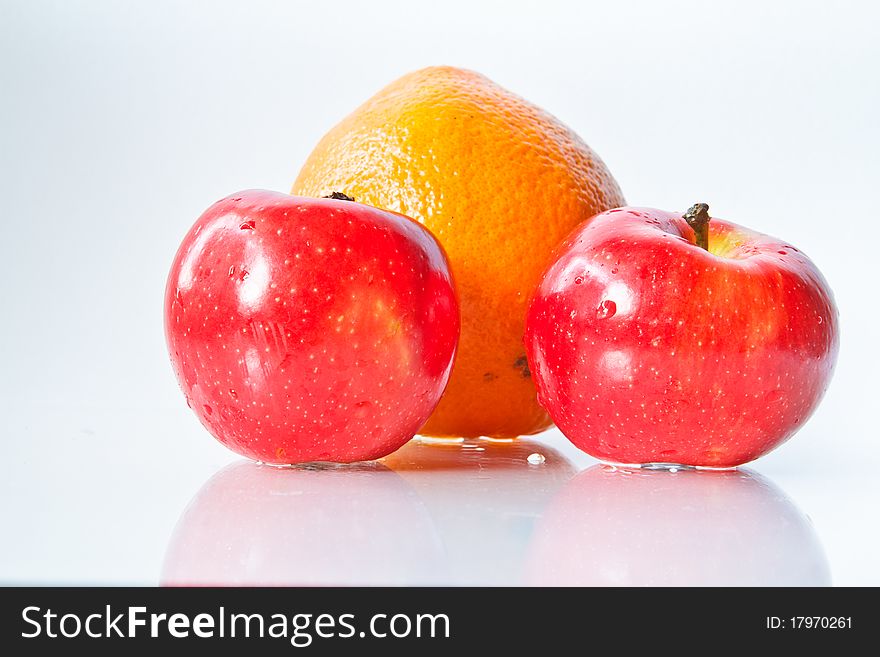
point(339, 196)
point(698, 219)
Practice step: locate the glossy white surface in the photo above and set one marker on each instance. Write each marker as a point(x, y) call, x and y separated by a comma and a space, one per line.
point(129, 498)
point(120, 123)
point(479, 514)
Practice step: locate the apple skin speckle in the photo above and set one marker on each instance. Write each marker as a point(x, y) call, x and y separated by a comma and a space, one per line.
point(307, 329)
point(710, 358)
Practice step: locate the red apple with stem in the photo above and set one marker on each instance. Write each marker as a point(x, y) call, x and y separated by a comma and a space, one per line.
point(660, 338)
point(310, 329)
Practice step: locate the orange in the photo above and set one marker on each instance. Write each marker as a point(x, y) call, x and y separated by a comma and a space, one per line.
point(500, 183)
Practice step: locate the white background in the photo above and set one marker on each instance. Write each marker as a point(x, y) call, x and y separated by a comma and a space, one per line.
point(121, 121)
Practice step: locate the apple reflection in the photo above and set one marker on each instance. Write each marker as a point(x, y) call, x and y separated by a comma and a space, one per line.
point(432, 514)
point(252, 525)
point(619, 527)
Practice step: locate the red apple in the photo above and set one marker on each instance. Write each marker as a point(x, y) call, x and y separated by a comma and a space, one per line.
point(647, 347)
point(310, 329)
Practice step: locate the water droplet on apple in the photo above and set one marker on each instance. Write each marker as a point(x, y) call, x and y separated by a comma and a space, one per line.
point(606, 309)
point(772, 396)
point(208, 409)
point(233, 394)
point(614, 270)
point(362, 408)
point(243, 275)
point(535, 458)
point(819, 319)
point(232, 271)
point(578, 280)
point(248, 225)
